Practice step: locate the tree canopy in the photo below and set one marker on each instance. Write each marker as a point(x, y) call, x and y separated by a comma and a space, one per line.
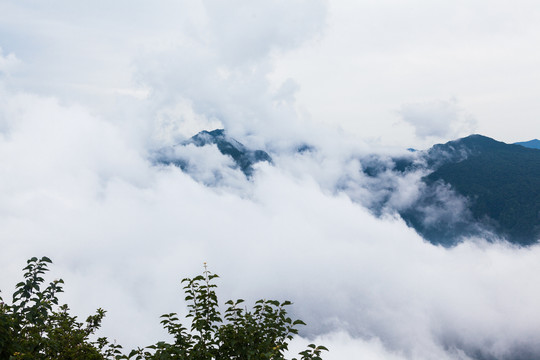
point(36, 326)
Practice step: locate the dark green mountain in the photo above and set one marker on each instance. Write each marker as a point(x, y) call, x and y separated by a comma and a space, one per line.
point(474, 186)
point(500, 182)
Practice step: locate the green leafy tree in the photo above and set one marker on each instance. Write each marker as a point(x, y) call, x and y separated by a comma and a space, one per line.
point(240, 334)
point(35, 326)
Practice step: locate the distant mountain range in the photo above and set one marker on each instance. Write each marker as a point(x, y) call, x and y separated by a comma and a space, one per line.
point(474, 186)
point(533, 144)
point(499, 182)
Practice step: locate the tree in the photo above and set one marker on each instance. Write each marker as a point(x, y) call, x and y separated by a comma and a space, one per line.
point(35, 326)
point(261, 333)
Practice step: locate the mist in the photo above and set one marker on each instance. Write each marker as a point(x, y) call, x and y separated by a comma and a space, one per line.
point(84, 107)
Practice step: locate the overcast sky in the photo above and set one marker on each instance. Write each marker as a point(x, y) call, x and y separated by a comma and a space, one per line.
point(89, 89)
point(377, 69)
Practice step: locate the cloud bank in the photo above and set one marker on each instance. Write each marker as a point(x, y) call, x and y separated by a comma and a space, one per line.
point(123, 232)
point(81, 114)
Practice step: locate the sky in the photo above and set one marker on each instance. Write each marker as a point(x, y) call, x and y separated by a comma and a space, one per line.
point(89, 90)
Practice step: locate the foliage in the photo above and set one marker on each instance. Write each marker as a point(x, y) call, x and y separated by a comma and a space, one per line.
point(35, 326)
point(262, 333)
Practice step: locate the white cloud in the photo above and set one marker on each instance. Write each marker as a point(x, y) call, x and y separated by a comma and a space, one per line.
point(341, 345)
point(76, 183)
point(376, 56)
point(8, 62)
point(438, 119)
point(122, 233)
point(213, 56)
point(250, 31)
point(179, 122)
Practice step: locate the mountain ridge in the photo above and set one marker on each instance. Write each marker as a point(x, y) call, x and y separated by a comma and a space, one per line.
point(500, 181)
point(472, 186)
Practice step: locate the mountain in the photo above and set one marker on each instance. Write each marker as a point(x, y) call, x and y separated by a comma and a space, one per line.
point(533, 144)
point(243, 157)
point(500, 184)
point(474, 186)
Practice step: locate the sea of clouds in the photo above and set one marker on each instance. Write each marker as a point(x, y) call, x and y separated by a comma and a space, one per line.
point(89, 92)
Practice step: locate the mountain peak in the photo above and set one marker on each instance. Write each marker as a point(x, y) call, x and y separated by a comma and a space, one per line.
point(477, 141)
point(243, 157)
